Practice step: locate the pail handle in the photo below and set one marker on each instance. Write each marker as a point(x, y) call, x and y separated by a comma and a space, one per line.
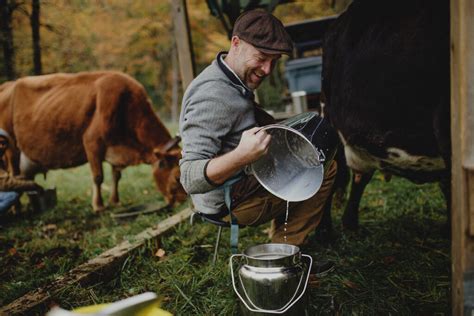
point(257, 309)
point(322, 156)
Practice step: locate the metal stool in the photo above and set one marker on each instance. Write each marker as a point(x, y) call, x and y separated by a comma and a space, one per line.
point(216, 219)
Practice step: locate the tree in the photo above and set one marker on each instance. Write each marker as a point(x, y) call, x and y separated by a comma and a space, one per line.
point(6, 37)
point(35, 32)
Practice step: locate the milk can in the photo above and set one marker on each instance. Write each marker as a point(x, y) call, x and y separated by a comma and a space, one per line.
point(271, 279)
point(301, 149)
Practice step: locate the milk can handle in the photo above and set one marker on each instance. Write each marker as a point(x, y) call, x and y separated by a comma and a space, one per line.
point(261, 310)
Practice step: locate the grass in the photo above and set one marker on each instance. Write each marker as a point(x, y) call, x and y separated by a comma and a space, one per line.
point(398, 262)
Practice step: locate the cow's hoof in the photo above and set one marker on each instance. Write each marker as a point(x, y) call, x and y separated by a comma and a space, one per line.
point(114, 202)
point(98, 208)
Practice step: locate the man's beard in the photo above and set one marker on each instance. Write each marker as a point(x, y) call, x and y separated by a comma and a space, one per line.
point(253, 84)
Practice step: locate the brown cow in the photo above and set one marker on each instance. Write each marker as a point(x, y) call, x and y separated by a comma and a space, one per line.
point(65, 120)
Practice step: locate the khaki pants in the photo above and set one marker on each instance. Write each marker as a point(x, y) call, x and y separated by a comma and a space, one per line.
point(303, 217)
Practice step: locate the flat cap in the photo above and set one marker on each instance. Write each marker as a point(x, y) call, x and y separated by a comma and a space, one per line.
point(264, 31)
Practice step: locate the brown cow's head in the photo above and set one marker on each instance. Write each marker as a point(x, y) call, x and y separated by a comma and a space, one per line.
point(166, 174)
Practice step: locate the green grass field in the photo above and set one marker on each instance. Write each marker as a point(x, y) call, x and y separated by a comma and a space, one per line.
point(398, 263)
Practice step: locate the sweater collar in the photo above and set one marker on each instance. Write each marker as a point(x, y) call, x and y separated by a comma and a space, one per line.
point(246, 91)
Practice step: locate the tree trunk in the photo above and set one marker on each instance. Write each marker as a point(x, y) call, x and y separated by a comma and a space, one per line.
point(35, 31)
point(6, 37)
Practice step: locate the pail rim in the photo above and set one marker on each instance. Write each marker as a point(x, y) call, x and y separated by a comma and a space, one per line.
point(270, 126)
point(254, 172)
point(272, 254)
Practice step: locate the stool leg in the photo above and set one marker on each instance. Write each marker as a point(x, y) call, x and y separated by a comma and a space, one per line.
point(216, 247)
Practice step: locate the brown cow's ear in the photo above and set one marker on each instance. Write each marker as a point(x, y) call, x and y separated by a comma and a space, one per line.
point(167, 157)
point(175, 153)
point(159, 154)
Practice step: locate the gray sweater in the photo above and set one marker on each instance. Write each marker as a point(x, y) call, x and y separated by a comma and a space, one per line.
point(214, 113)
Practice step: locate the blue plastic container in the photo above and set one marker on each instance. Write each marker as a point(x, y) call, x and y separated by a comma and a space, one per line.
point(304, 74)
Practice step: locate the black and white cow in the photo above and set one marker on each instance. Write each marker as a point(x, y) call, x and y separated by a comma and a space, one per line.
point(386, 82)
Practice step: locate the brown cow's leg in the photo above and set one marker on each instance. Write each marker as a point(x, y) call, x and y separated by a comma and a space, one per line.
point(95, 155)
point(116, 175)
point(98, 178)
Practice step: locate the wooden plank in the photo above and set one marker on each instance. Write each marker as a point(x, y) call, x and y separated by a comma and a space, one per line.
point(95, 270)
point(462, 126)
point(182, 34)
point(139, 210)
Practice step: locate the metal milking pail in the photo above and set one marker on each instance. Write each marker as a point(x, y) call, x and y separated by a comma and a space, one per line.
point(271, 279)
point(301, 148)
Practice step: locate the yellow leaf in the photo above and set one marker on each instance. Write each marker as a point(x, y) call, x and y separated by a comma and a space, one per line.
point(160, 253)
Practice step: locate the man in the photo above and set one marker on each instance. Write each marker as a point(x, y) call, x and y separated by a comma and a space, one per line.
point(219, 128)
point(9, 185)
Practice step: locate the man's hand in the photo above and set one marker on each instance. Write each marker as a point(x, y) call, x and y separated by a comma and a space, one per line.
point(253, 145)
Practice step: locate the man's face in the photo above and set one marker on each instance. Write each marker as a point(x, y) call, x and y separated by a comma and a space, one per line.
point(252, 65)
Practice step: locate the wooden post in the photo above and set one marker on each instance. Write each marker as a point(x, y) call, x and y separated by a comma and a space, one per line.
point(462, 137)
point(182, 34)
point(174, 84)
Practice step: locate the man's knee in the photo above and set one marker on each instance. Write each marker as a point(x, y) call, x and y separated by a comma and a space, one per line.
point(332, 170)
point(330, 175)
point(254, 211)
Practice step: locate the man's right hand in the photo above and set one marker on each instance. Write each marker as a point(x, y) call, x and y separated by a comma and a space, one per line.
point(254, 143)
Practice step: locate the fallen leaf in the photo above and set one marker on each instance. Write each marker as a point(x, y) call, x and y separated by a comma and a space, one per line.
point(160, 253)
point(350, 284)
point(12, 251)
